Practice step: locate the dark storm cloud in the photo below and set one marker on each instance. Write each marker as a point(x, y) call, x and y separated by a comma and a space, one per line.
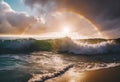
point(94, 7)
point(104, 13)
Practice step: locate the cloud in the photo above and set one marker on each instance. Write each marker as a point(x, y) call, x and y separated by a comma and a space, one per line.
point(104, 13)
point(11, 21)
point(42, 8)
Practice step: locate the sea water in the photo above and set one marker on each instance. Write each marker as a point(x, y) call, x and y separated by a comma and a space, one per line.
point(28, 60)
point(22, 67)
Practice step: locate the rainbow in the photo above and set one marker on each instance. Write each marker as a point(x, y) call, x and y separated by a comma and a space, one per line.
point(88, 21)
point(99, 33)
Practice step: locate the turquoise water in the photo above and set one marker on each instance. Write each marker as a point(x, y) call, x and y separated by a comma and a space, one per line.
point(11, 69)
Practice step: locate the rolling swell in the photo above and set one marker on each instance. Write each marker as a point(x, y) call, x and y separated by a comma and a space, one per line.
point(65, 45)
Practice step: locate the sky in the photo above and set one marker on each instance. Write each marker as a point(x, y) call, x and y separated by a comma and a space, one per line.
point(17, 5)
point(82, 18)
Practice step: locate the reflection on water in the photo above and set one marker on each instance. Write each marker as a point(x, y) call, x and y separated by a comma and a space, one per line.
point(23, 66)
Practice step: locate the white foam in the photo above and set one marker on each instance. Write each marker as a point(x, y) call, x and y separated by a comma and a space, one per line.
point(71, 46)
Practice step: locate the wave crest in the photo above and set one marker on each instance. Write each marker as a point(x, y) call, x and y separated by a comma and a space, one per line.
point(65, 45)
point(74, 47)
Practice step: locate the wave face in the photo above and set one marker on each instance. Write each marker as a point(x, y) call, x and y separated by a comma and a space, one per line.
point(14, 46)
point(65, 45)
point(105, 47)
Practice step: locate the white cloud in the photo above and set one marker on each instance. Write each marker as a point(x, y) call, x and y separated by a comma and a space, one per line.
point(42, 8)
point(12, 21)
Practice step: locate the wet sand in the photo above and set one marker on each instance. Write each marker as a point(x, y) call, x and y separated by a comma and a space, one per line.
point(102, 75)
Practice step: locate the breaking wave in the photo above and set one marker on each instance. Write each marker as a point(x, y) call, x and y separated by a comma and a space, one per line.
point(105, 47)
point(65, 45)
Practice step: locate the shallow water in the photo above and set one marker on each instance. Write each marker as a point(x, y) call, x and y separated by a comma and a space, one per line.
point(21, 67)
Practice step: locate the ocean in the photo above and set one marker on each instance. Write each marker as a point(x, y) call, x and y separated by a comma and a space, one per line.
point(30, 60)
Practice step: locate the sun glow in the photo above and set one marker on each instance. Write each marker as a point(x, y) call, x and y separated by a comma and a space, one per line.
point(66, 30)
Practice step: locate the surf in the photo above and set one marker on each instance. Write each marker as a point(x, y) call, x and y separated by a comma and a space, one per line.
point(62, 45)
